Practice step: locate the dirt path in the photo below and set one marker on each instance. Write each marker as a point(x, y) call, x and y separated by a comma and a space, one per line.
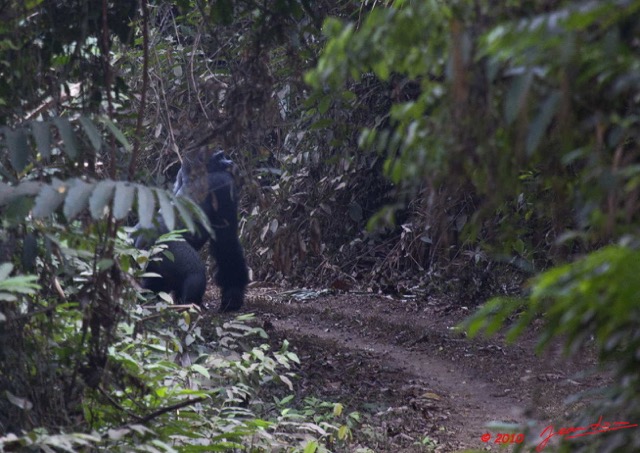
point(413, 377)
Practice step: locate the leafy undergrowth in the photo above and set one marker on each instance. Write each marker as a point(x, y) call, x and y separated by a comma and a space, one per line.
point(211, 384)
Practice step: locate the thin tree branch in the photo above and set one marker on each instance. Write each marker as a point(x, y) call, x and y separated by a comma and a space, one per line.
point(145, 84)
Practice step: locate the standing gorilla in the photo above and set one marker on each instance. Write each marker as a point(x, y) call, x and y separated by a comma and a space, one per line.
point(212, 188)
point(215, 193)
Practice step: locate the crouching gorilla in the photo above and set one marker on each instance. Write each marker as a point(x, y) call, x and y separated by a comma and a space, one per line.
point(212, 187)
point(183, 275)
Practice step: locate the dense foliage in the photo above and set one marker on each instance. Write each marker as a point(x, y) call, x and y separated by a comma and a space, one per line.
point(87, 360)
point(466, 135)
point(532, 113)
point(535, 119)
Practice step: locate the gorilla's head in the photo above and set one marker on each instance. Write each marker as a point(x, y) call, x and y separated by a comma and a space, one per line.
point(219, 161)
point(193, 177)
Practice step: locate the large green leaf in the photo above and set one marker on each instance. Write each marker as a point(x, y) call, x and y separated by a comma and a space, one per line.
point(77, 198)
point(27, 188)
point(41, 132)
point(18, 148)
point(117, 133)
point(5, 270)
point(123, 199)
point(166, 209)
point(92, 132)
point(541, 122)
point(68, 137)
point(49, 199)
point(77, 195)
point(517, 95)
point(146, 207)
point(182, 205)
point(100, 198)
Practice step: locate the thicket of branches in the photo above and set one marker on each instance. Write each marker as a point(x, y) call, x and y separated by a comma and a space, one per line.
point(95, 95)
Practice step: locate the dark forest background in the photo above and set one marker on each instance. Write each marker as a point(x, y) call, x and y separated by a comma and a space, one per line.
point(474, 149)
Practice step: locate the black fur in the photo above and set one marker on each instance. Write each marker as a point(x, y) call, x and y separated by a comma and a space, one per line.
point(220, 205)
point(182, 274)
point(212, 187)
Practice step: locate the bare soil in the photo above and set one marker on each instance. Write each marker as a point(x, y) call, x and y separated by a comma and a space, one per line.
point(420, 384)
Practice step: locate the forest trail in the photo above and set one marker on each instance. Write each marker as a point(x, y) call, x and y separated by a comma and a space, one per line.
point(401, 363)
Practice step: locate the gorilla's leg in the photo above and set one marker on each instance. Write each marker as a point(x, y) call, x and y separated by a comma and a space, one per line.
point(232, 276)
point(184, 275)
point(222, 210)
